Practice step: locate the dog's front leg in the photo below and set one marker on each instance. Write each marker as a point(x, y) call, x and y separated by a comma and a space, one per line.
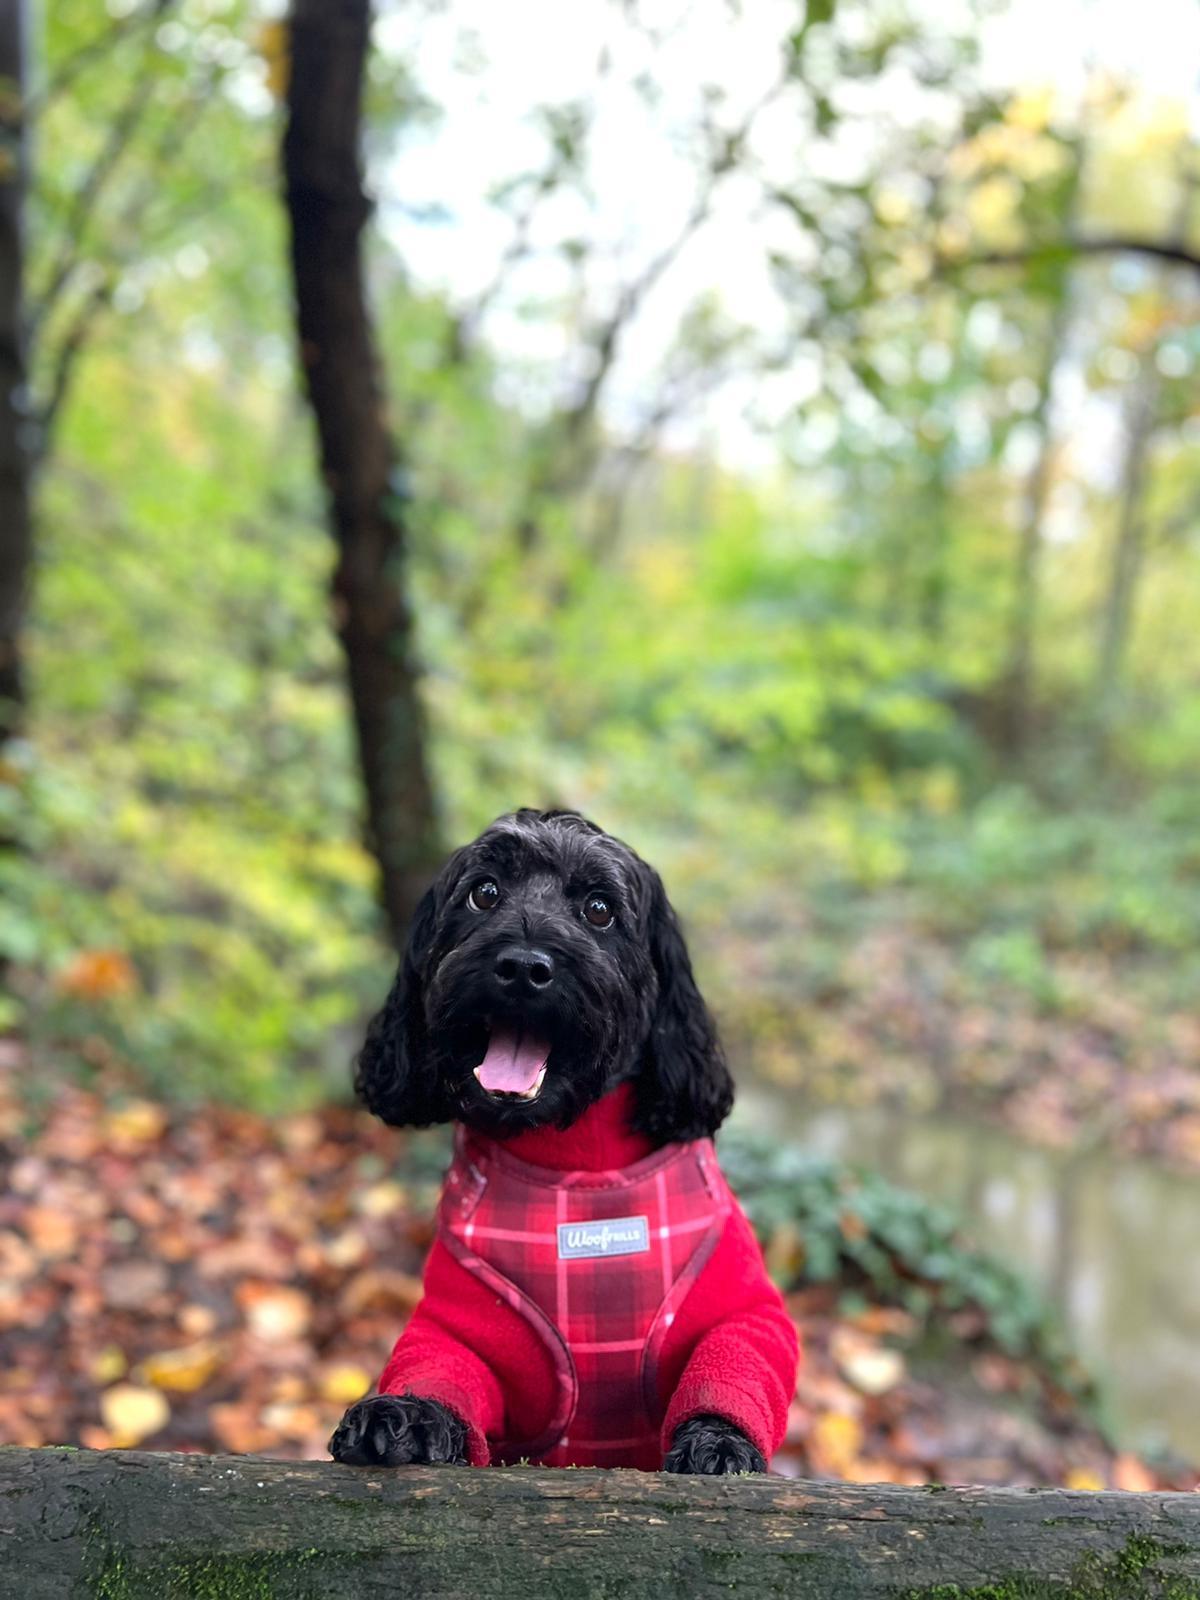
point(399, 1430)
point(712, 1446)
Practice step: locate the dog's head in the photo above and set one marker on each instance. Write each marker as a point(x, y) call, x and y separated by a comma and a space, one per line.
point(544, 967)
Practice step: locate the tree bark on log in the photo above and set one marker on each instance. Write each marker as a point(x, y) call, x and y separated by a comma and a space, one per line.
point(126, 1525)
point(360, 461)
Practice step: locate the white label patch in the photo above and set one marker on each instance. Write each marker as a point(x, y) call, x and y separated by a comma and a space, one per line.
point(611, 1236)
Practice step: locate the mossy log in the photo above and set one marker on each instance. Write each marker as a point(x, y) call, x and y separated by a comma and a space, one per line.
point(129, 1525)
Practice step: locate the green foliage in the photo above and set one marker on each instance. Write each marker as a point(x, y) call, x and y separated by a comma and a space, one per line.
point(782, 684)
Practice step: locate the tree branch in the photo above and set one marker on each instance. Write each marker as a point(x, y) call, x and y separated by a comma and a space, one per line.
point(730, 147)
point(93, 50)
point(62, 363)
point(1110, 244)
point(120, 135)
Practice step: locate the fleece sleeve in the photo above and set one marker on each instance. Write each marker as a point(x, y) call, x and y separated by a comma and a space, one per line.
point(434, 1357)
point(736, 1345)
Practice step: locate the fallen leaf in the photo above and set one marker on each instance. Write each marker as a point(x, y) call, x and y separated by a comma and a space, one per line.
point(274, 1313)
point(344, 1383)
point(52, 1232)
point(132, 1413)
point(290, 1421)
point(185, 1370)
point(137, 1122)
point(129, 1285)
point(1083, 1478)
point(873, 1369)
point(197, 1320)
point(834, 1442)
point(1132, 1475)
point(347, 1249)
point(379, 1289)
point(380, 1199)
point(108, 1364)
point(238, 1428)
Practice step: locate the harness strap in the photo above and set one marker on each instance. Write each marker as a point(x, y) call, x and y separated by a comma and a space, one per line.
point(598, 1264)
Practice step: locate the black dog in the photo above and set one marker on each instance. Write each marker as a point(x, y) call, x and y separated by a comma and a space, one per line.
point(544, 968)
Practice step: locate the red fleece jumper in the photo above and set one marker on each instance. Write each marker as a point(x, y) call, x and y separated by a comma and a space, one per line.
point(516, 1374)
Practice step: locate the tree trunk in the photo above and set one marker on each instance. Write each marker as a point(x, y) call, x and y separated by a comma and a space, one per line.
point(124, 1525)
point(359, 459)
point(1128, 548)
point(16, 422)
point(934, 510)
point(1016, 710)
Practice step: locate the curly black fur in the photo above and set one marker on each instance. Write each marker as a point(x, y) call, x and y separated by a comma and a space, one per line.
point(623, 1003)
point(711, 1446)
point(399, 1430)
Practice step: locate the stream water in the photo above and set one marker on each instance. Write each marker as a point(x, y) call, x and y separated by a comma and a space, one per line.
point(1115, 1243)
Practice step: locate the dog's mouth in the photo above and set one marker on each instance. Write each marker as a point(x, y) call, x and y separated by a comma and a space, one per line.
point(514, 1067)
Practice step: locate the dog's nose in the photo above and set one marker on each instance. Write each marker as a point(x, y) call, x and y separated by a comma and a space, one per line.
point(520, 968)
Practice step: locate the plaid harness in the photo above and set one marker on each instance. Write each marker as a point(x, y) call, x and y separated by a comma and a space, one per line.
point(598, 1263)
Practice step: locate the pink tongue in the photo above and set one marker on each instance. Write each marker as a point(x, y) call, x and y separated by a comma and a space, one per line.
point(513, 1062)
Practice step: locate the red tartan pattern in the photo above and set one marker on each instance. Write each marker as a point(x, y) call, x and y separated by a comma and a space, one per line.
point(602, 1317)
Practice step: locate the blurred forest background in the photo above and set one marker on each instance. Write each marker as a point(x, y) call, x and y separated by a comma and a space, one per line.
point(790, 457)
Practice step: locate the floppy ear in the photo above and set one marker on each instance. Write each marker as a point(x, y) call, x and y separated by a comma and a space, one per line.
point(684, 1090)
point(393, 1073)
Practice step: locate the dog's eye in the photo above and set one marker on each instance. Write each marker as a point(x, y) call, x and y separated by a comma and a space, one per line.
point(598, 911)
point(485, 896)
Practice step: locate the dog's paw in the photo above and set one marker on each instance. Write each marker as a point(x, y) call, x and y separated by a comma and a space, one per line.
point(712, 1446)
point(398, 1430)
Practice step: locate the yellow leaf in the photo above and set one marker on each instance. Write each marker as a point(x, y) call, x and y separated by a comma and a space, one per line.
point(834, 1443)
point(344, 1383)
point(381, 1199)
point(137, 1122)
point(131, 1413)
point(108, 1364)
point(186, 1369)
point(1084, 1478)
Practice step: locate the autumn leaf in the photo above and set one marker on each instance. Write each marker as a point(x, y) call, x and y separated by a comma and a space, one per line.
point(98, 975)
point(344, 1383)
point(108, 1364)
point(273, 1313)
point(238, 1427)
point(1132, 1475)
point(834, 1442)
point(51, 1231)
point(872, 1368)
point(380, 1199)
point(381, 1287)
point(185, 1370)
point(132, 1413)
point(1083, 1478)
point(137, 1122)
